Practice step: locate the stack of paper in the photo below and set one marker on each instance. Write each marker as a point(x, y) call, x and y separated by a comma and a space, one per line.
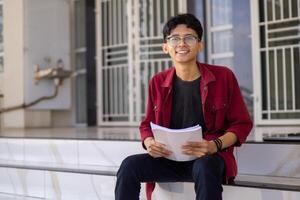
point(175, 138)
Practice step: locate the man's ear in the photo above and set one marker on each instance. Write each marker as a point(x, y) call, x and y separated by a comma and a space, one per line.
point(201, 46)
point(165, 48)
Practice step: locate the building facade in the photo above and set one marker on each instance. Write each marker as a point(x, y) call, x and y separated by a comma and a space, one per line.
point(113, 47)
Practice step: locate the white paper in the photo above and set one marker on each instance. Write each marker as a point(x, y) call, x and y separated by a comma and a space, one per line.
point(175, 138)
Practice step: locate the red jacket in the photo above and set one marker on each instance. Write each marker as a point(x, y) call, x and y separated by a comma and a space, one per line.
point(223, 108)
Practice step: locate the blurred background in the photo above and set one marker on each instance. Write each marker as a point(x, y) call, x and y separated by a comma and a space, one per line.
point(109, 49)
point(74, 77)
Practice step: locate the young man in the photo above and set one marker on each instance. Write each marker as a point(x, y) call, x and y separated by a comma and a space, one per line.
point(188, 94)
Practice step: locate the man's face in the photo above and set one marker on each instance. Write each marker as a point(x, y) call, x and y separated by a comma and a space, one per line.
point(183, 45)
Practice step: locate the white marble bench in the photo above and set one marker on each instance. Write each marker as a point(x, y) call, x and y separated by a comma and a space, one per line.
point(174, 191)
point(249, 186)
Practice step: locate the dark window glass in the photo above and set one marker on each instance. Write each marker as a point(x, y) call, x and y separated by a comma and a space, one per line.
point(264, 81)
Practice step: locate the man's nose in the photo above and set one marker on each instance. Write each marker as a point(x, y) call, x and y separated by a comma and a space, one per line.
point(182, 41)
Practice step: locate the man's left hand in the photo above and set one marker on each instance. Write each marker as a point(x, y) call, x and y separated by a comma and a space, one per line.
point(199, 149)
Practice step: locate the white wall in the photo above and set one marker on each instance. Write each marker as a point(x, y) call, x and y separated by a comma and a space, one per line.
point(35, 30)
point(46, 35)
point(1, 83)
point(13, 86)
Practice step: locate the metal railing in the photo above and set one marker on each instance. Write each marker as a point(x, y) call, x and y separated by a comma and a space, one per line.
point(280, 59)
point(129, 38)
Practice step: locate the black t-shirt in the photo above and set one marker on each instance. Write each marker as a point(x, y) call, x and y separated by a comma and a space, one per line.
point(187, 104)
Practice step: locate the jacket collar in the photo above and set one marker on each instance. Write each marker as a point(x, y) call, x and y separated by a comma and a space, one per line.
point(206, 74)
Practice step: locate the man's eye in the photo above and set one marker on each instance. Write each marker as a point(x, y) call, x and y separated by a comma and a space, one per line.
point(189, 38)
point(175, 39)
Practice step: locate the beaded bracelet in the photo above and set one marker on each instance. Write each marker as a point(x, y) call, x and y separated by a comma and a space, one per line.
point(219, 144)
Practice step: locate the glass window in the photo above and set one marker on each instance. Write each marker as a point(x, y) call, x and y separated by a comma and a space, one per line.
point(220, 30)
point(223, 61)
point(230, 43)
point(197, 8)
point(242, 59)
point(80, 84)
point(80, 61)
point(80, 23)
point(222, 41)
point(221, 11)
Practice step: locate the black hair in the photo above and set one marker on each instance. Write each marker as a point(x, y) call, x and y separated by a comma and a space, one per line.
point(188, 19)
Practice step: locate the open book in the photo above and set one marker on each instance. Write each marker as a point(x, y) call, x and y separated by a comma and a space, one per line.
point(175, 138)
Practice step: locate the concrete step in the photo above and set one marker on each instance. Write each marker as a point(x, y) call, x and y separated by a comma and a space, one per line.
point(66, 153)
point(56, 185)
point(64, 168)
point(4, 196)
point(254, 158)
point(68, 169)
point(175, 191)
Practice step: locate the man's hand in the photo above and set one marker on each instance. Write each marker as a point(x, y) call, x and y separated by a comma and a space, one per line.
point(156, 149)
point(199, 149)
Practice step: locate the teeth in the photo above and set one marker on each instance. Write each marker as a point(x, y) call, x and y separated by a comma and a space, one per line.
point(182, 52)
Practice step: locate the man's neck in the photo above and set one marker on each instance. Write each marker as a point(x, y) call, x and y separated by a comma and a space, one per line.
point(187, 72)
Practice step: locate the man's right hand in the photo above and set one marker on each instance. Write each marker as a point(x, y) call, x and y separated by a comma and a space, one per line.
point(156, 149)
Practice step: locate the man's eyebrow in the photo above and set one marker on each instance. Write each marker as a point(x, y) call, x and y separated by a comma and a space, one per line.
point(180, 35)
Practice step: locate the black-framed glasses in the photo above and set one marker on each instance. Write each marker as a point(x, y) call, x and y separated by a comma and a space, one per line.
point(176, 40)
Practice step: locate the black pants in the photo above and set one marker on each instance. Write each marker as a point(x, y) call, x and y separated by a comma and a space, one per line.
point(206, 172)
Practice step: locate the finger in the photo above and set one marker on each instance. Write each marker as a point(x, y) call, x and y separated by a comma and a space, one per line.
point(161, 151)
point(154, 155)
point(156, 145)
point(195, 148)
point(195, 151)
point(196, 144)
point(160, 147)
point(189, 144)
point(196, 154)
point(159, 144)
point(157, 154)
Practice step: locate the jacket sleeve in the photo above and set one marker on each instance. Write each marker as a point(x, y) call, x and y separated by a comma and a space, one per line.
point(238, 119)
point(145, 129)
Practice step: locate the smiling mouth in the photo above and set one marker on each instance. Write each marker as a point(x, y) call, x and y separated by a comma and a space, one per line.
point(182, 52)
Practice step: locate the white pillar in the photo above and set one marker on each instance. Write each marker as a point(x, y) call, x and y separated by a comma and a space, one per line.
point(13, 76)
